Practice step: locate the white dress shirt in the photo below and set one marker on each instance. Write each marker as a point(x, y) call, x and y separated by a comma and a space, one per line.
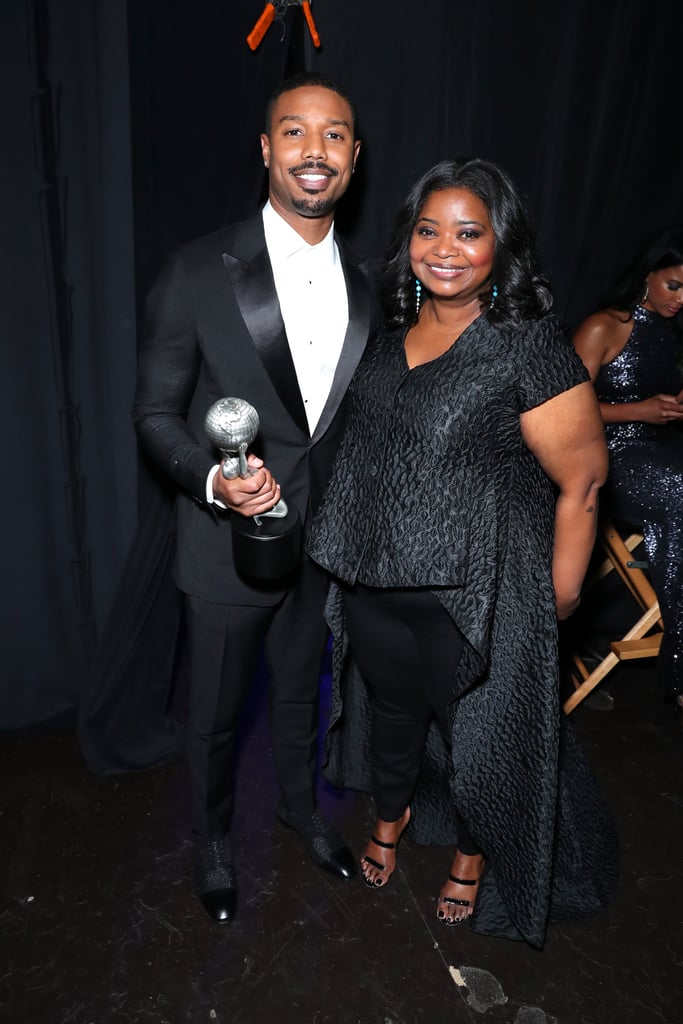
point(311, 289)
point(310, 286)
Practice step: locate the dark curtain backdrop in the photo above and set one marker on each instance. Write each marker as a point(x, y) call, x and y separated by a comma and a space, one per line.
point(576, 100)
point(68, 345)
point(131, 128)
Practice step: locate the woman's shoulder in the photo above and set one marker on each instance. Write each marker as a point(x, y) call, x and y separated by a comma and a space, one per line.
point(602, 335)
point(547, 363)
point(606, 321)
point(545, 332)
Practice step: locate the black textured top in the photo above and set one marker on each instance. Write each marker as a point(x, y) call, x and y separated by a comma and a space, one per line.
point(433, 463)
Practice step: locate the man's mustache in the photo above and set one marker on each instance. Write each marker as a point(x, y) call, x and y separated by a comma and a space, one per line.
point(315, 165)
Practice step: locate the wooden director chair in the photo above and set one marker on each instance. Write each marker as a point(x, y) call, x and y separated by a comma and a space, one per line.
point(644, 638)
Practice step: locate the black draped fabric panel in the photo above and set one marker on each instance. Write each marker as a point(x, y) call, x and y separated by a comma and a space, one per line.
point(68, 346)
point(125, 719)
point(576, 101)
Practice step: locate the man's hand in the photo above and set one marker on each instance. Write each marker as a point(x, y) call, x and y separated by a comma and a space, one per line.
point(251, 496)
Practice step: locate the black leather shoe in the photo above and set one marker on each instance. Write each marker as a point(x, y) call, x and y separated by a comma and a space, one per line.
point(214, 879)
point(325, 847)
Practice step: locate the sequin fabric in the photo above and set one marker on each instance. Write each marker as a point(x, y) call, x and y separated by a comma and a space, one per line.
point(645, 485)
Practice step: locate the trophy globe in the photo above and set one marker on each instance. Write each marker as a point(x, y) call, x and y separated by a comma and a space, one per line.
point(267, 546)
point(232, 425)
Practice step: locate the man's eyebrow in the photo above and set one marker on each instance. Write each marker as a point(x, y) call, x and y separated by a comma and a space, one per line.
point(303, 117)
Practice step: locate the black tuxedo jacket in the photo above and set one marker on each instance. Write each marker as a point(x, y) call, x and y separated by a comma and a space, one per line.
point(214, 329)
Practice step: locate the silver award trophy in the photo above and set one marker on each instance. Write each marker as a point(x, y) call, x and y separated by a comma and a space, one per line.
point(267, 546)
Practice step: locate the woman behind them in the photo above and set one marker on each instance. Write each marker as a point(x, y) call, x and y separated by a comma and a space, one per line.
point(633, 350)
point(457, 527)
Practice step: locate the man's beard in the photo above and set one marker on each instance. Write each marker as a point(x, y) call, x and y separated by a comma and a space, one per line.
point(314, 207)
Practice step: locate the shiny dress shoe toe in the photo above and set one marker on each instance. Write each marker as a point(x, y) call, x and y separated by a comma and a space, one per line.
point(325, 846)
point(214, 879)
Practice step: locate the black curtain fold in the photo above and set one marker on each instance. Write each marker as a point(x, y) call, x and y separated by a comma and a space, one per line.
point(126, 721)
point(157, 108)
point(68, 345)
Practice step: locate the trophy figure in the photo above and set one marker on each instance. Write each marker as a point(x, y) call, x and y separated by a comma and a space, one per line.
point(267, 546)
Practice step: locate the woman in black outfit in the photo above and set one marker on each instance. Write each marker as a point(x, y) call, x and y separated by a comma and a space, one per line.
point(457, 525)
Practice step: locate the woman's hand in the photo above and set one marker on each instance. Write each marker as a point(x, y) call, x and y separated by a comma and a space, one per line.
point(252, 495)
point(659, 409)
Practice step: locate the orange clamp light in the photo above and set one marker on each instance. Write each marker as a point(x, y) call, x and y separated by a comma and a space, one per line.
point(309, 21)
point(261, 27)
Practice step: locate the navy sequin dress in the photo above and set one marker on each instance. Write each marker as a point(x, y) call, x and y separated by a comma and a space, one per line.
point(645, 484)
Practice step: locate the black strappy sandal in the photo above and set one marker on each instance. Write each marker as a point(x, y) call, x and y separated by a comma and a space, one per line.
point(379, 882)
point(453, 902)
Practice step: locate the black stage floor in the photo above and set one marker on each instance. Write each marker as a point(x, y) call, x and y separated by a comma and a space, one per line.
point(99, 924)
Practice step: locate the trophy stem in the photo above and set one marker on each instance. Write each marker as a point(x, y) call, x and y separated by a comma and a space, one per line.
point(278, 511)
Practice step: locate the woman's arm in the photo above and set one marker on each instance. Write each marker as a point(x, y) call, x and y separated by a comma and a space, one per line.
point(567, 437)
point(599, 340)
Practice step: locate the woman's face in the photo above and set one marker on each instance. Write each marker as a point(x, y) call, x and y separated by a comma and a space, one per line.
point(665, 291)
point(452, 245)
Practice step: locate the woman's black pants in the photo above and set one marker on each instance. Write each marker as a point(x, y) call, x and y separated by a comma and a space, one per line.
point(407, 648)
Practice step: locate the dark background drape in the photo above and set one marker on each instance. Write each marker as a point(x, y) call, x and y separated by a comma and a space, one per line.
point(129, 128)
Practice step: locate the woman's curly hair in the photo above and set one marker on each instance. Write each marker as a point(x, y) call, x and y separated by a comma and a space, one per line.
point(523, 292)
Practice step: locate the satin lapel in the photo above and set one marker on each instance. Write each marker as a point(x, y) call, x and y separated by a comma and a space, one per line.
point(254, 290)
point(360, 322)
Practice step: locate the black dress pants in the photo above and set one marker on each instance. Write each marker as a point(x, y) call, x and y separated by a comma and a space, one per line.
point(224, 643)
point(407, 648)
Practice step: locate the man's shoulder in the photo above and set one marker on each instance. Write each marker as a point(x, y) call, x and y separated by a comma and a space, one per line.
point(349, 250)
point(242, 238)
point(370, 266)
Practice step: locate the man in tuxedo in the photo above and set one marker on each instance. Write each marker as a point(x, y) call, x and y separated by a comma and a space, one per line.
point(275, 309)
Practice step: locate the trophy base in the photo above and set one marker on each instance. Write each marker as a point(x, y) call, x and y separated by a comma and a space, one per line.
point(267, 552)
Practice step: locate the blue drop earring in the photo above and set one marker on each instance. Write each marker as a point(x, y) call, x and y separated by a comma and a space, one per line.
point(494, 296)
point(418, 296)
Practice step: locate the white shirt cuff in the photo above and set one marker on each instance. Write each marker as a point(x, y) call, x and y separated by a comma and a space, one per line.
point(211, 499)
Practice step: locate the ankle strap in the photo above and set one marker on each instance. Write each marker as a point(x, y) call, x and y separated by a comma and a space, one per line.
point(385, 846)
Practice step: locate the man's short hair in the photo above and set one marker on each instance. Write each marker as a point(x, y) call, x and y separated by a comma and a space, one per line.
point(303, 80)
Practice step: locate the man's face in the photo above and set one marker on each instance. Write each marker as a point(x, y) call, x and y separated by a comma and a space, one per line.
point(310, 152)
